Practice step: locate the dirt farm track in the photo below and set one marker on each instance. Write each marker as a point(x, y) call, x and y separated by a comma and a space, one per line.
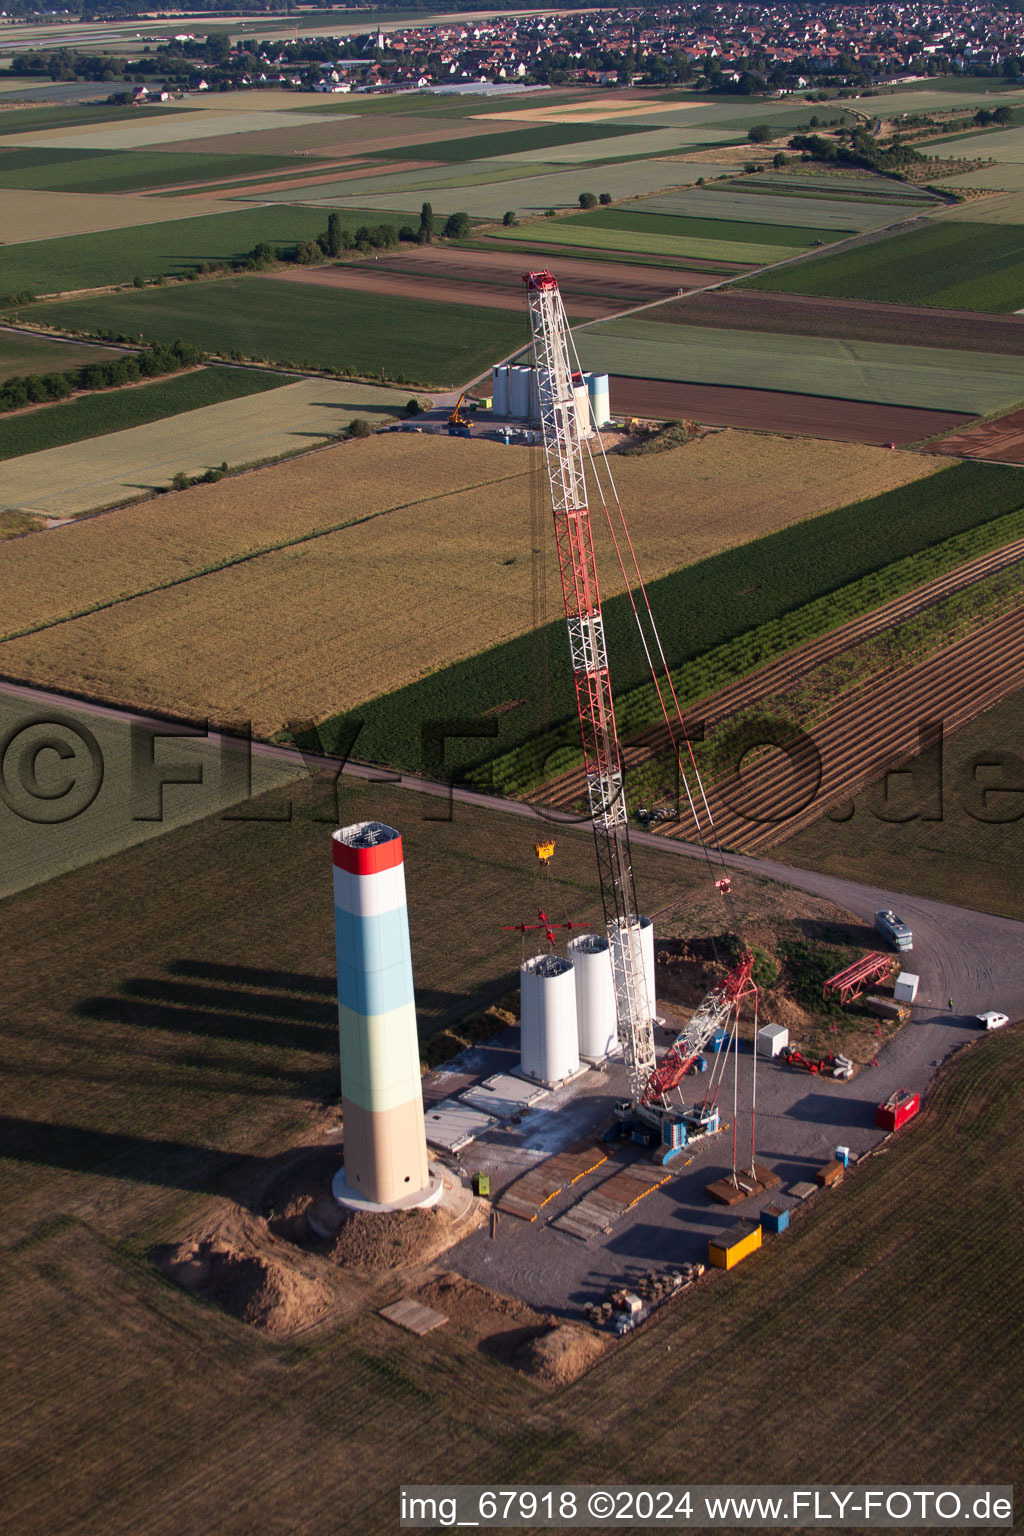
point(765, 410)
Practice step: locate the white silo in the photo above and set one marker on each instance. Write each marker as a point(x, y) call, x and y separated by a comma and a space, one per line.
point(582, 395)
point(595, 996)
point(600, 403)
point(534, 396)
point(500, 390)
point(519, 393)
point(549, 1048)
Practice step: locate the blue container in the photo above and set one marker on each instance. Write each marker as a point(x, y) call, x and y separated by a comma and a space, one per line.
point(774, 1219)
point(718, 1039)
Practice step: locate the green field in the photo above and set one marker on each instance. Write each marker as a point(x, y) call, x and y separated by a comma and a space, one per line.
point(950, 265)
point(567, 233)
point(484, 146)
point(173, 1056)
point(305, 325)
point(54, 426)
point(164, 250)
point(974, 849)
point(36, 119)
point(883, 372)
point(134, 170)
point(22, 353)
point(698, 607)
point(700, 228)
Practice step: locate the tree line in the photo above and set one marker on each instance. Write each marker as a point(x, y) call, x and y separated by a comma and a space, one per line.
point(152, 362)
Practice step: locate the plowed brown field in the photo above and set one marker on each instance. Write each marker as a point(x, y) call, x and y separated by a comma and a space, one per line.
point(1002, 440)
point(764, 410)
point(793, 314)
point(592, 290)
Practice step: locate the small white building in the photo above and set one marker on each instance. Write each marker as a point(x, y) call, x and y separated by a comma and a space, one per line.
point(772, 1039)
point(905, 990)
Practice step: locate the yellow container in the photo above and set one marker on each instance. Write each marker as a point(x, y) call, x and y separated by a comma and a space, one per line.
point(731, 1247)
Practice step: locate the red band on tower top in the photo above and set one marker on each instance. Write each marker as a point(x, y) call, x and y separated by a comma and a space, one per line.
point(367, 861)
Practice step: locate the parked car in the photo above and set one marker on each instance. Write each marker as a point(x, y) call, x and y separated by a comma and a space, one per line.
point(991, 1020)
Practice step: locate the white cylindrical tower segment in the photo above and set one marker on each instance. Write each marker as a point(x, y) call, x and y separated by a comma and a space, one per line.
point(519, 397)
point(582, 395)
point(500, 390)
point(595, 996)
point(600, 401)
point(548, 1039)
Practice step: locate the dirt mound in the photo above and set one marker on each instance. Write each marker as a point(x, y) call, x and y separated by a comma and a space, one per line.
point(392, 1240)
point(559, 1356)
point(241, 1266)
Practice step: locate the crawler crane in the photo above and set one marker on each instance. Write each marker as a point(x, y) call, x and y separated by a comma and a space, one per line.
point(650, 1112)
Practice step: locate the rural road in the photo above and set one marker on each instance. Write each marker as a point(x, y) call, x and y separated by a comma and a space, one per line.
point(975, 957)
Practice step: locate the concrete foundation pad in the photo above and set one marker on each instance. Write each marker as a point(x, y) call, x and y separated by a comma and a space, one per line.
point(504, 1096)
point(581, 1071)
point(452, 1125)
point(352, 1200)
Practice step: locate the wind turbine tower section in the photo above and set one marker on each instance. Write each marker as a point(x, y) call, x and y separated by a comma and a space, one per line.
point(382, 1100)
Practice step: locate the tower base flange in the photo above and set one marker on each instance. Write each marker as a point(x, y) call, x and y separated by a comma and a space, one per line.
point(354, 1200)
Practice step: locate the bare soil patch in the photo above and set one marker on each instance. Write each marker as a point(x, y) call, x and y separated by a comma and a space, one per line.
point(1001, 440)
point(591, 289)
point(847, 421)
point(513, 1333)
point(795, 315)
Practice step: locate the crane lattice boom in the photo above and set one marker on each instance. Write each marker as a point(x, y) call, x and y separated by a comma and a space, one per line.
point(574, 540)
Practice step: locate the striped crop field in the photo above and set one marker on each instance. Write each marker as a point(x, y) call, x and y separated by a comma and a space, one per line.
point(953, 265)
point(705, 225)
point(133, 441)
point(179, 245)
point(679, 247)
point(927, 377)
point(302, 325)
point(446, 524)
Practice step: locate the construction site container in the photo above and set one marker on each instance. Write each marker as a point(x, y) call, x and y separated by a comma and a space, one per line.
point(905, 990)
point(595, 996)
point(582, 395)
point(519, 393)
point(898, 1108)
point(548, 1037)
point(774, 1218)
point(719, 1039)
point(731, 1247)
point(772, 1039)
point(500, 389)
point(600, 403)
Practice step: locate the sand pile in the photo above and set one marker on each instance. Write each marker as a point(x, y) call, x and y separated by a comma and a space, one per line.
point(391, 1240)
point(265, 1289)
point(559, 1356)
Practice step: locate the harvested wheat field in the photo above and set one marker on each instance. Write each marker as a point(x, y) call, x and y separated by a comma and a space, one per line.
point(26, 215)
point(325, 623)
